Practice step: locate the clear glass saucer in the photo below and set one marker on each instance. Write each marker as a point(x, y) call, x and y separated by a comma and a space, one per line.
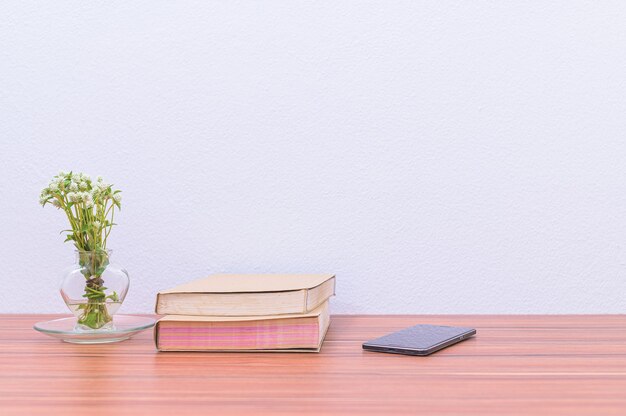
point(124, 327)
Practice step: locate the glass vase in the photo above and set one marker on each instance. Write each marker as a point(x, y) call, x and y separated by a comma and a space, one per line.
point(93, 289)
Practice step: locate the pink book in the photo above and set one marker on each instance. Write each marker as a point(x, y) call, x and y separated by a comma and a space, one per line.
point(295, 332)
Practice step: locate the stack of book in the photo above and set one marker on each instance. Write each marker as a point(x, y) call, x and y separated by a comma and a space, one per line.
point(243, 312)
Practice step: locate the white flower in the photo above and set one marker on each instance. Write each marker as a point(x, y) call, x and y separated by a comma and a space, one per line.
point(56, 203)
point(73, 196)
point(99, 179)
point(61, 173)
point(83, 185)
point(97, 224)
point(85, 177)
point(43, 200)
point(88, 199)
point(117, 197)
point(73, 187)
point(102, 186)
point(53, 186)
point(76, 177)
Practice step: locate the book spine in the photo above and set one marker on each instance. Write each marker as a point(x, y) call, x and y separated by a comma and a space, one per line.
point(156, 305)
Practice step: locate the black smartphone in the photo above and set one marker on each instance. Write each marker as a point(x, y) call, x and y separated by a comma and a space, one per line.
point(419, 339)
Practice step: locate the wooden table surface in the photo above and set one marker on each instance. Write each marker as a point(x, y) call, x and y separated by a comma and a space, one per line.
point(530, 365)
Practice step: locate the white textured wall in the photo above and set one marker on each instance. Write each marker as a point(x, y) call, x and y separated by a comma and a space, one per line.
point(439, 157)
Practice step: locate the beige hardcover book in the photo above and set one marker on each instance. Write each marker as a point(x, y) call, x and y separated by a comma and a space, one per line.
point(272, 333)
point(247, 295)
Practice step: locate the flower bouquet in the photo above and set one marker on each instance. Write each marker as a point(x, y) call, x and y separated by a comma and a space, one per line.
point(92, 288)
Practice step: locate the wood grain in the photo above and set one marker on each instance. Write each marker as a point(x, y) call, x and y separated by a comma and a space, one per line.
point(517, 365)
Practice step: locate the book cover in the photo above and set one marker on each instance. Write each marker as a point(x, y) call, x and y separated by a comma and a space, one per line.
point(247, 295)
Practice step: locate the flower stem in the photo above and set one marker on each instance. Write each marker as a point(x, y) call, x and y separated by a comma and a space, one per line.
point(95, 313)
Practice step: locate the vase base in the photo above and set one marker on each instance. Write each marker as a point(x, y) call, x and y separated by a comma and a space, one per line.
point(83, 328)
